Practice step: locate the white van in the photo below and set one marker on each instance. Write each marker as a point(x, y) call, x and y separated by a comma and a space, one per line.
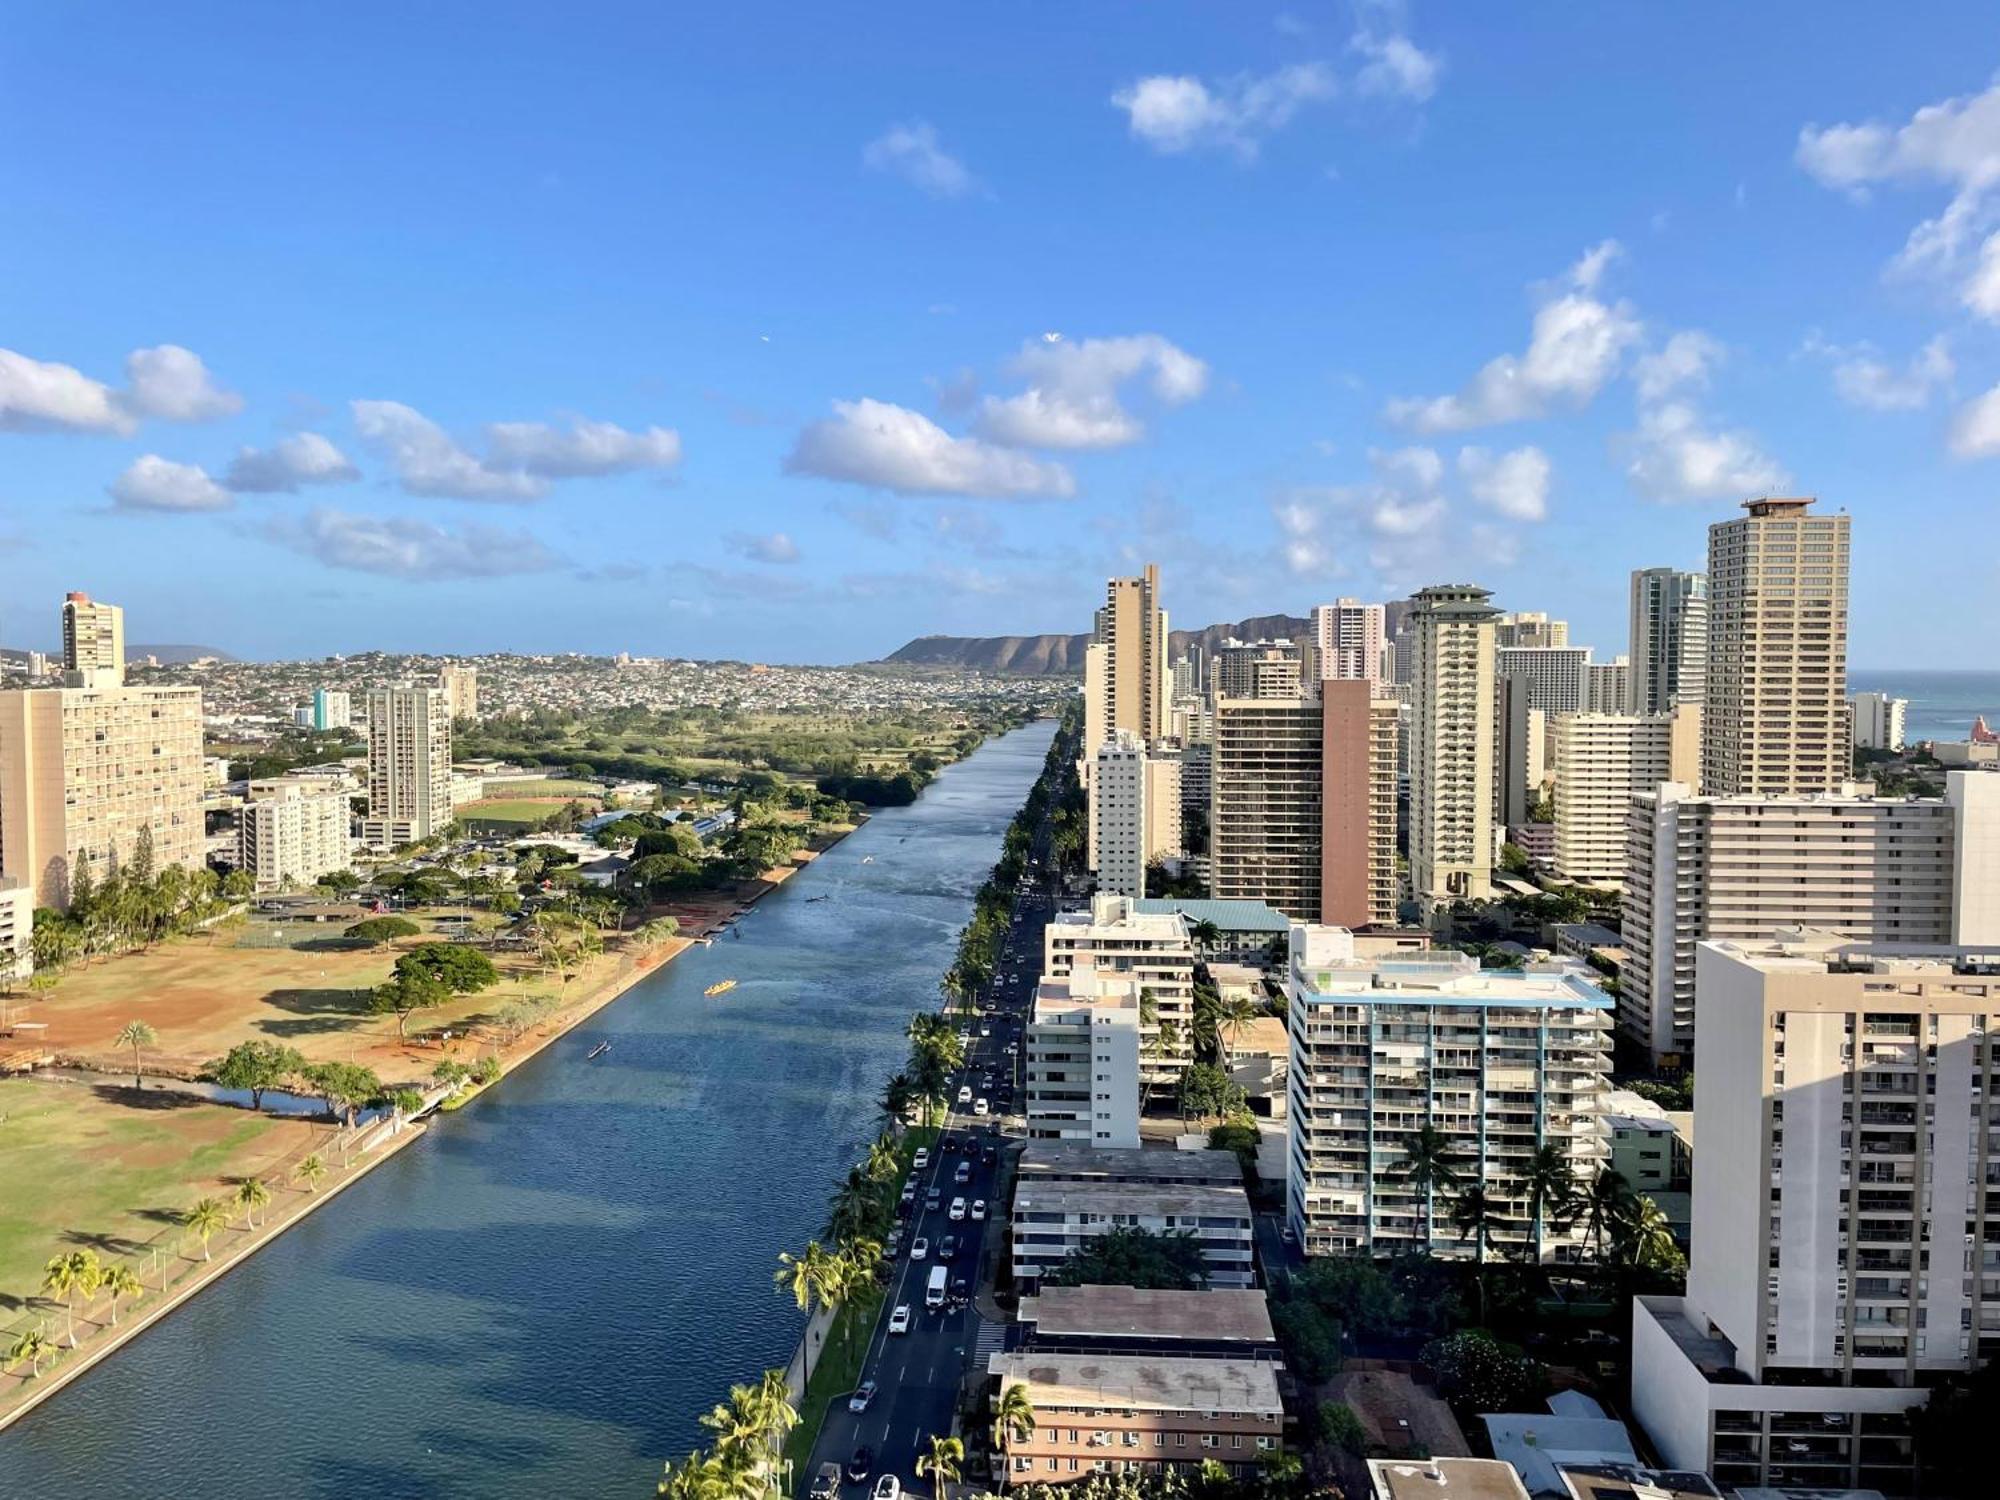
point(934, 1294)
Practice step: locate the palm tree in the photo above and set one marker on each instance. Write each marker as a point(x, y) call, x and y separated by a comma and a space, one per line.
point(1429, 1163)
point(33, 1346)
point(857, 1204)
point(854, 1279)
point(251, 1195)
point(1232, 1011)
point(66, 1275)
point(310, 1171)
point(746, 1422)
point(1206, 935)
point(204, 1220)
point(884, 1161)
point(1476, 1216)
point(1645, 1238)
point(1605, 1207)
point(700, 1476)
point(1551, 1189)
point(1013, 1416)
point(121, 1281)
point(944, 1463)
point(814, 1280)
point(898, 1095)
point(136, 1035)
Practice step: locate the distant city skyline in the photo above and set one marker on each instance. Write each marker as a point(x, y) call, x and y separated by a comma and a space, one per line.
point(664, 333)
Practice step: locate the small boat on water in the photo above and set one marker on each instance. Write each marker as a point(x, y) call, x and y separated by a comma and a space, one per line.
point(720, 989)
point(827, 897)
point(868, 859)
point(598, 1051)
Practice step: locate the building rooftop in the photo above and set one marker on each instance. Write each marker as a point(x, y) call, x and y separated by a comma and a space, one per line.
point(1818, 949)
point(1079, 1161)
point(1589, 934)
point(1229, 915)
point(1258, 1034)
point(1236, 1387)
point(1709, 1353)
point(1535, 1443)
point(1445, 1479)
point(1086, 987)
point(1132, 1312)
point(1445, 979)
point(1139, 1198)
point(1624, 1482)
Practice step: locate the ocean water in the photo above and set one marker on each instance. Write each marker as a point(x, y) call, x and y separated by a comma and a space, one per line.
point(539, 1297)
point(1942, 704)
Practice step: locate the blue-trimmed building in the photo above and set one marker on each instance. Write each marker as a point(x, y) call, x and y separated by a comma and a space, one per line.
point(1248, 928)
point(1499, 1062)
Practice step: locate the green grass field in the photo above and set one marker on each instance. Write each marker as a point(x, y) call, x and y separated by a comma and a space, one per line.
point(551, 787)
point(512, 810)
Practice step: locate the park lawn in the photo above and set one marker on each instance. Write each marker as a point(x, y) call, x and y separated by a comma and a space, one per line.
point(523, 810)
point(81, 1165)
point(550, 786)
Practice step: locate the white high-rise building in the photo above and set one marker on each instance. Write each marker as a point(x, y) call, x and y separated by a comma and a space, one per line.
point(1083, 1059)
point(1846, 1222)
point(1607, 686)
point(1888, 869)
point(1118, 815)
point(93, 638)
point(1775, 705)
point(332, 709)
point(1879, 721)
point(1602, 760)
point(291, 833)
point(1501, 1062)
point(1669, 639)
point(409, 765)
point(1451, 745)
point(1555, 675)
point(1349, 637)
point(1154, 949)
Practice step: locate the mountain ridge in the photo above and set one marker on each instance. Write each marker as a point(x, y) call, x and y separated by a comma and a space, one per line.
point(1062, 655)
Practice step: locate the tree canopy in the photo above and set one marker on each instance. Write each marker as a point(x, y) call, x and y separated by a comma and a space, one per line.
point(1128, 1256)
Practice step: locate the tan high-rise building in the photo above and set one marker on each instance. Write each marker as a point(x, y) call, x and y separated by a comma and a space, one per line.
point(1451, 745)
point(1602, 760)
point(1775, 717)
point(461, 691)
point(409, 765)
point(1259, 669)
point(1349, 636)
point(1530, 630)
point(1133, 628)
point(93, 637)
point(84, 770)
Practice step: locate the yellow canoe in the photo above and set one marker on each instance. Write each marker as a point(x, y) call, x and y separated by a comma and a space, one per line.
point(720, 989)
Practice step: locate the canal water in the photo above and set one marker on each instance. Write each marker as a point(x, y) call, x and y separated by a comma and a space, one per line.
point(539, 1297)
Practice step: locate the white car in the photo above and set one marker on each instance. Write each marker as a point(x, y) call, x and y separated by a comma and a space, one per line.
point(978, 1208)
point(899, 1320)
point(888, 1487)
point(920, 1248)
point(979, 1107)
point(957, 1209)
point(922, 1159)
point(965, 1093)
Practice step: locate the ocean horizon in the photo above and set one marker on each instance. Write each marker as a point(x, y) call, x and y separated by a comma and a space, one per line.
point(1942, 704)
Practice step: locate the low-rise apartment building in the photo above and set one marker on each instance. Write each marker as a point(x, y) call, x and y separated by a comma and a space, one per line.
point(1153, 949)
point(1049, 1163)
point(1500, 1062)
point(1052, 1219)
point(1083, 1060)
point(1136, 1414)
point(1232, 1323)
point(17, 930)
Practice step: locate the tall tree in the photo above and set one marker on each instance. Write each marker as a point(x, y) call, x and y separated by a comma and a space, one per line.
point(121, 1281)
point(78, 1273)
point(138, 1036)
point(944, 1463)
point(814, 1280)
point(1429, 1163)
point(204, 1221)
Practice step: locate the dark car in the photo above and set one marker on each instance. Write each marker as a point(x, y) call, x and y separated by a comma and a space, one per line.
point(948, 1248)
point(859, 1465)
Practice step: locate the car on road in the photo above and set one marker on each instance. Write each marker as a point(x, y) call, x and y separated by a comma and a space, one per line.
point(860, 1463)
point(888, 1487)
point(980, 1107)
point(899, 1320)
point(1012, 1048)
point(959, 1288)
point(957, 1209)
point(863, 1394)
point(826, 1483)
point(965, 1094)
point(964, 1173)
point(985, 1030)
point(920, 1248)
point(978, 1208)
point(931, 1201)
point(948, 1250)
point(921, 1160)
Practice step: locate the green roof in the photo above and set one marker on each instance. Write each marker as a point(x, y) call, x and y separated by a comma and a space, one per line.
point(1230, 916)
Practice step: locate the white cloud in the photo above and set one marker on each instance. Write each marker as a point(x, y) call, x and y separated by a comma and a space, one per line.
point(1072, 400)
point(284, 468)
point(774, 548)
point(428, 462)
point(1954, 143)
point(877, 443)
point(1975, 428)
point(172, 383)
point(42, 396)
point(1577, 343)
point(1515, 484)
point(155, 483)
point(1981, 292)
point(1683, 364)
point(403, 547)
point(914, 154)
point(1862, 377)
point(1678, 456)
point(586, 449)
point(1181, 113)
point(1395, 66)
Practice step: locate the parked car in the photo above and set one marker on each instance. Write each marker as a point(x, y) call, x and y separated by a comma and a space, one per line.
point(888, 1487)
point(899, 1320)
point(863, 1394)
point(978, 1208)
point(920, 1248)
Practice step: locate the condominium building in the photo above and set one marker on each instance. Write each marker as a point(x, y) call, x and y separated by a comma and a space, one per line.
point(1184, 679)
point(1607, 686)
point(1349, 637)
point(1118, 815)
point(1890, 870)
point(292, 832)
point(331, 709)
point(17, 930)
point(1775, 715)
point(1602, 760)
point(1133, 629)
point(1358, 881)
point(1259, 669)
point(89, 773)
point(1065, 1163)
point(1554, 675)
point(409, 765)
point(1083, 1060)
point(1097, 1319)
point(1049, 1220)
point(1669, 639)
point(1520, 751)
point(1144, 1413)
point(1154, 949)
point(1879, 721)
point(1096, 701)
point(1846, 1211)
point(1163, 807)
point(461, 691)
point(1500, 1062)
point(1451, 745)
point(1530, 630)
point(93, 639)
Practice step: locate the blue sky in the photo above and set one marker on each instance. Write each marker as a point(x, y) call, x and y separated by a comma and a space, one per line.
point(792, 331)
